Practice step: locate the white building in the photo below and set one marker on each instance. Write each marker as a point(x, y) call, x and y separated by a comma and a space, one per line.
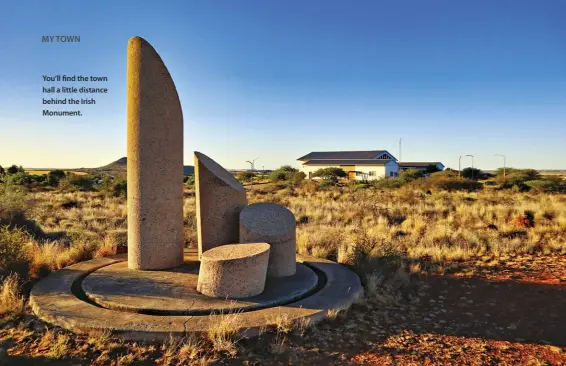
point(359, 165)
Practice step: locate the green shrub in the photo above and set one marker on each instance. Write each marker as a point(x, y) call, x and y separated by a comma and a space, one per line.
point(189, 180)
point(410, 175)
point(12, 203)
point(548, 185)
point(18, 179)
point(14, 169)
point(78, 182)
point(119, 188)
point(447, 183)
point(518, 177)
point(245, 176)
point(284, 173)
point(330, 174)
point(298, 177)
point(54, 177)
point(326, 184)
point(388, 183)
point(12, 247)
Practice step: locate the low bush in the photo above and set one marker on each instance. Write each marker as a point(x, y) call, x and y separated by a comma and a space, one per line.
point(285, 173)
point(447, 184)
point(13, 249)
point(245, 176)
point(548, 185)
point(12, 203)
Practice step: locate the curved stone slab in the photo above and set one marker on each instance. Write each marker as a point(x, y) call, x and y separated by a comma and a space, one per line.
point(219, 198)
point(276, 225)
point(53, 301)
point(155, 162)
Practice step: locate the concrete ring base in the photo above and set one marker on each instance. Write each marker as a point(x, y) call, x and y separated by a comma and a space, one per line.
point(174, 292)
point(53, 299)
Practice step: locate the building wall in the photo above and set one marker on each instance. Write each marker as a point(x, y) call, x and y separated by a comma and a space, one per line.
point(392, 169)
point(363, 172)
point(370, 172)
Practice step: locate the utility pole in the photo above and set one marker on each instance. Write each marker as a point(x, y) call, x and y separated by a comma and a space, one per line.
point(460, 166)
point(472, 165)
point(400, 150)
point(504, 166)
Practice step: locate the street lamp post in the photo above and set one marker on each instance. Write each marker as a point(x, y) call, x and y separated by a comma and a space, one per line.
point(504, 166)
point(472, 165)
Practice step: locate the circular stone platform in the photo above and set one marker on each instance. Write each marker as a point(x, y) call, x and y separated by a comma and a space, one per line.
point(59, 299)
point(174, 291)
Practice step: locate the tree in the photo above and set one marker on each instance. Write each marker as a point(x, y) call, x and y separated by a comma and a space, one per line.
point(517, 177)
point(331, 173)
point(246, 176)
point(431, 169)
point(54, 177)
point(13, 169)
point(284, 173)
point(471, 173)
point(2, 172)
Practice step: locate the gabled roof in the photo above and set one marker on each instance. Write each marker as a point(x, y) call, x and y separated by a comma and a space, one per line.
point(419, 164)
point(348, 162)
point(339, 155)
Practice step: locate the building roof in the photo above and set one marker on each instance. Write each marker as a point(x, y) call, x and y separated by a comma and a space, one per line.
point(419, 164)
point(348, 162)
point(339, 155)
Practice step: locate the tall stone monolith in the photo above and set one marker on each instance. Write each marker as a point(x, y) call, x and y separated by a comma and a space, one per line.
point(220, 198)
point(155, 162)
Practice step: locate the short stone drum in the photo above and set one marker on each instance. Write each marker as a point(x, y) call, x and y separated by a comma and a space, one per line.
point(233, 270)
point(276, 225)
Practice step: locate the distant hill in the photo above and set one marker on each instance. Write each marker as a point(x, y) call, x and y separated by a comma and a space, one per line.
point(119, 168)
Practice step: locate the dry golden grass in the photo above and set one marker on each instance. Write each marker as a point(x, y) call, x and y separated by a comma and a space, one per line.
point(353, 226)
point(222, 333)
point(11, 301)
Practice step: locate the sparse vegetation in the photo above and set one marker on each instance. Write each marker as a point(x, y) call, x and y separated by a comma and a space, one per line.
point(424, 224)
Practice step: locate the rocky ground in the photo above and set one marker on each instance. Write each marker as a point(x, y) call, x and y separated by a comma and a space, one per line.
point(489, 312)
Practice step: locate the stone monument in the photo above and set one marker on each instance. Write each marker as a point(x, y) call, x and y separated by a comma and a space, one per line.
point(155, 162)
point(244, 252)
point(276, 225)
point(233, 271)
point(220, 198)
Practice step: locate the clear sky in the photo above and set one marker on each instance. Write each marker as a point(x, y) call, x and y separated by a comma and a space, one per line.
point(278, 79)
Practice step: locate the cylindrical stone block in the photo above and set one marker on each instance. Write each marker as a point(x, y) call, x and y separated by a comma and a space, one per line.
point(276, 225)
point(219, 198)
point(155, 162)
point(233, 270)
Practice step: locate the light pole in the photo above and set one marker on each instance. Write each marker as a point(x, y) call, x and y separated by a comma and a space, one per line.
point(472, 165)
point(504, 166)
point(252, 163)
point(460, 166)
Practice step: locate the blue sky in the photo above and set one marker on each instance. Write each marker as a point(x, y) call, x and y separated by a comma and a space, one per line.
point(278, 79)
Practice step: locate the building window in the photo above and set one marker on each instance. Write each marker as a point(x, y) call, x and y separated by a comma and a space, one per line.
point(390, 174)
point(372, 173)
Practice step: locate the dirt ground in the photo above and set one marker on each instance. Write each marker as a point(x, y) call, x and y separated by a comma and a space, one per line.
point(504, 311)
